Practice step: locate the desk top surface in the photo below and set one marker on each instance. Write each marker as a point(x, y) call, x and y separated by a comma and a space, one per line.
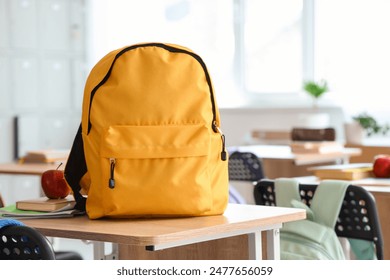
point(27, 168)
point(237, 218)
point(284, 152)
point(373, 185)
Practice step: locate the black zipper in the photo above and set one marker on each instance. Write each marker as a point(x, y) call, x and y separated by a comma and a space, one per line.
point(111, 180)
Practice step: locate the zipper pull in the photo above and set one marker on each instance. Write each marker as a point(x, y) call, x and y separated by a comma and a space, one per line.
point(223, 152)
point(111, 181)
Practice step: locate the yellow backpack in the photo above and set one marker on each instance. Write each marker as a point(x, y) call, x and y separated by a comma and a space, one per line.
point(149, 143)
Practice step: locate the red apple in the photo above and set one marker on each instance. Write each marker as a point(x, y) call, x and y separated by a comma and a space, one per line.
point(53, 184)
point(381, 167)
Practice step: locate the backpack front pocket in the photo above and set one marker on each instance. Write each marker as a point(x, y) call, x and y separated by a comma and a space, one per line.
point(155, 170)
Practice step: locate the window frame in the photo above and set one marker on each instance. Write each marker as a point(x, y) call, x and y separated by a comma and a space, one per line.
point(308, 29)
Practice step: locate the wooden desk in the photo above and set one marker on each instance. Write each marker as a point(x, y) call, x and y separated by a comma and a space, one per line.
point(27, 168)
point(279, 161)
point(217, 237)
point(370, 149)
point(234, 235)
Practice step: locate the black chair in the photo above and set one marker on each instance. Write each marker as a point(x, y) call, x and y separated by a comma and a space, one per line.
point(24, 243)
point(59, 255)
point(358, 218)
point(245, 166)
point(19, 242)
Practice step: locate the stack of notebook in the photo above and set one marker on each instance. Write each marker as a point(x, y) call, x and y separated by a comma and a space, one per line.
point(353, 171)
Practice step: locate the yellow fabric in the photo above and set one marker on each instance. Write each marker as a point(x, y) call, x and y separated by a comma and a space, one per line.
point(152, 114)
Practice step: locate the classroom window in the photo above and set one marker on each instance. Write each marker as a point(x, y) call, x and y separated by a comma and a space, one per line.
point(272, 46)
point(260, 51)
point(205, 26)
point(249, 46)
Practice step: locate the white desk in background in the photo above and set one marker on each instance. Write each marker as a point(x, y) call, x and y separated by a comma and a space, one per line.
point(279, 161)
point(15, 168)
point(284, 152)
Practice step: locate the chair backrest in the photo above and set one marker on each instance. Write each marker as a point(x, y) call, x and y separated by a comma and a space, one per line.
point(24, 243)
point(358, 218)
point(245, 166)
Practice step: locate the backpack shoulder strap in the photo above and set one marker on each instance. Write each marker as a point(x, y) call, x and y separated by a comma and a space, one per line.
point(286, 190)
point(75, 169)
point(327, 201)
point(326, 204)
point(287, 195)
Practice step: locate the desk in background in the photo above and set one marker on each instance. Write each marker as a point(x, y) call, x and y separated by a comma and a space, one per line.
point(15, 168)
point(234, 235)
point(370, 149)
point(26, 169)
point(279, 161)
point(14, 187)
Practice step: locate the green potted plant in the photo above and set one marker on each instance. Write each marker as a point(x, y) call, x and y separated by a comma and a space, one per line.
point(370, 124)
point(315, 119)
point(315, 89)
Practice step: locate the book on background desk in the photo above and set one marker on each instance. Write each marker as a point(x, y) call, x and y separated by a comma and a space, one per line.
point(11, 211)
point(313, 147)
point(313, 134)
point(353, 171)
point(45, 204)
point(45, 156)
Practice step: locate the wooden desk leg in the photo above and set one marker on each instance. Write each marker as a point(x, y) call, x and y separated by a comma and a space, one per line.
point(273, 244)
point(254, 246)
